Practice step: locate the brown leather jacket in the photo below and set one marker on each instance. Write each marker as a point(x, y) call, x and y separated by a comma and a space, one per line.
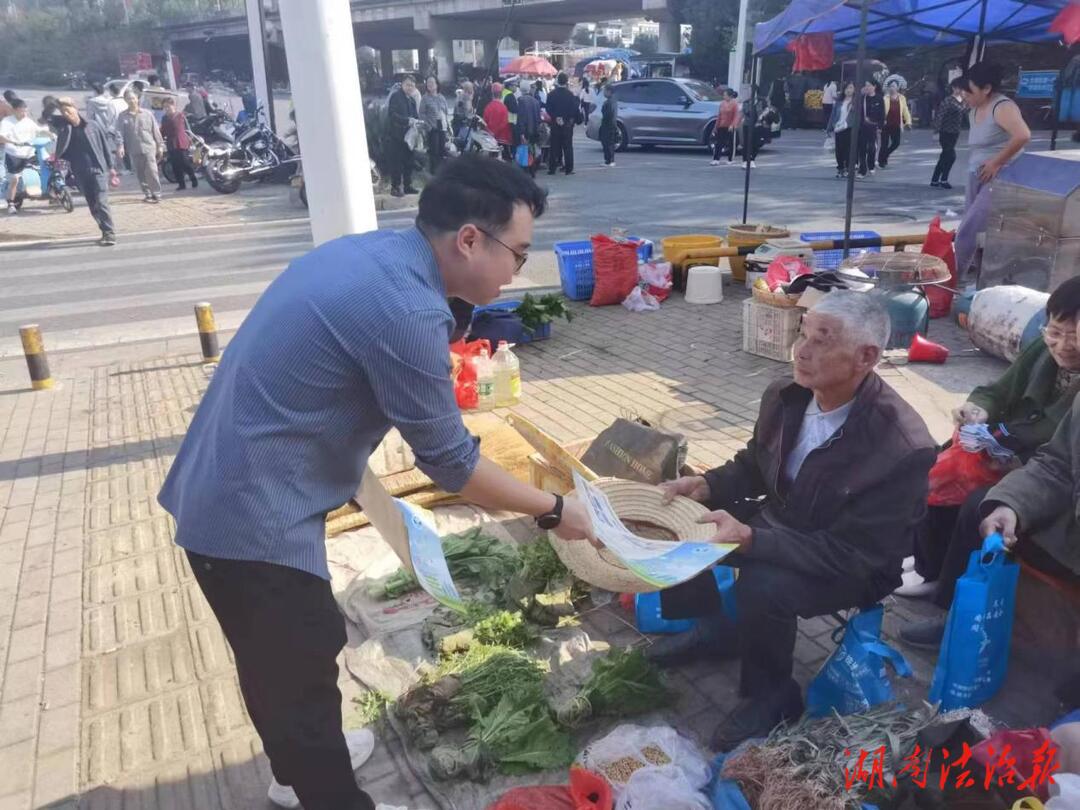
point(853, 509)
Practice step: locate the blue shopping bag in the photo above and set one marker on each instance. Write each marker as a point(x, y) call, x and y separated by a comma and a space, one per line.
point(521, 155)
point(974, 654)
point(853, 678)
point(649, 617)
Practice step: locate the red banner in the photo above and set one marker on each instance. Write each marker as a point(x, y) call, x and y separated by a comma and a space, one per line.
point(812, 51)
point(1067, 23)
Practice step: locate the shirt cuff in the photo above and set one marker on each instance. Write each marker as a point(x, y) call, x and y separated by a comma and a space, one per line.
point(453, 472)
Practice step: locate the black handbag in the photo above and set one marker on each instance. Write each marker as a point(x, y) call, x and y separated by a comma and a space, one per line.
point(635, 451)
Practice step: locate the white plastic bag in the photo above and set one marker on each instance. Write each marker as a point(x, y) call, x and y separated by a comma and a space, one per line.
point(640, 301)
point(1065, 792)
point(655, 788)
point(828, 142)
point(655, 274)
point(628, 749)
point(414, 137)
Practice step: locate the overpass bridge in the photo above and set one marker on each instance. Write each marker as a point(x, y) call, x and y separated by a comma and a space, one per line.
point(432, 26)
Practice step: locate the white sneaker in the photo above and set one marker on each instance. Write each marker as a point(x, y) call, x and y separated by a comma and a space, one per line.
point(11, 209)
point(753, 165)
point(915, 587)
point(714, 163)
point(361, 744)
point(611, 165)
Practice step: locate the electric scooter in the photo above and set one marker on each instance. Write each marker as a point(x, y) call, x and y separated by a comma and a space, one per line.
point(42, 179)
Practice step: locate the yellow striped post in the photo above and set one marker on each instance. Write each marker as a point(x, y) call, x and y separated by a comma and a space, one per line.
point(204, 318)
point(36, 360)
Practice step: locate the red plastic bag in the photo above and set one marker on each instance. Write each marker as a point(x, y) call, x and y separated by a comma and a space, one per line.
point(957, 473)
point(587, 791)
point(464, 373)
point(939, 242)
point(1012, 756)
point(783, 270)
point(615, 270)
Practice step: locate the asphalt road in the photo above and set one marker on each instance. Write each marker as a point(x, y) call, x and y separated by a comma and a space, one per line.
point(145, 287)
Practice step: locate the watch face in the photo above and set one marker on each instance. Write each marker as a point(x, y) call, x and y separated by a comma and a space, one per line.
point(547, 522)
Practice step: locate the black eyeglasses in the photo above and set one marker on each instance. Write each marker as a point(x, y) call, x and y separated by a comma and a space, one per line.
point(521, 257)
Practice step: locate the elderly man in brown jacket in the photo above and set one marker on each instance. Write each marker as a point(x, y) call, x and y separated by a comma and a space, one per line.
point(823, 503)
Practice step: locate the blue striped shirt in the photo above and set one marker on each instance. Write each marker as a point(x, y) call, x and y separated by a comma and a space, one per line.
point(349, 340)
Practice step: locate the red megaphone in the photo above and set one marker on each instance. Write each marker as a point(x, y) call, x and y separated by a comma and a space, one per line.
point(926, 351)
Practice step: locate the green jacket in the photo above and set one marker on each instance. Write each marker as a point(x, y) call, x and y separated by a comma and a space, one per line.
point(1022, 399)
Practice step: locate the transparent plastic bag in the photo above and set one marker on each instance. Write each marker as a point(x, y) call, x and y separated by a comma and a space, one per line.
point(628, 749)
point(667, 787)
point(640, 301)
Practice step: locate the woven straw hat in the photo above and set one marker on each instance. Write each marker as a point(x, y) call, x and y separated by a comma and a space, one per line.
point(639, 506)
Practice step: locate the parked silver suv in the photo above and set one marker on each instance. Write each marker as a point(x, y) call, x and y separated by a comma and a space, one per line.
point(662, 111)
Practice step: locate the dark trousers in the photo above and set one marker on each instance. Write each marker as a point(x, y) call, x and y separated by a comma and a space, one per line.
point(286, 631)
point(94, 186)
point(890, 141)
point(827, 109)
point(947, 158)
point(401, 161)
point(436, 148)
point(607, 140)
point(842, 148)
point(867, 148)
point(182, 167)
point(562, 146)
point(949, 535)
point(725, 144)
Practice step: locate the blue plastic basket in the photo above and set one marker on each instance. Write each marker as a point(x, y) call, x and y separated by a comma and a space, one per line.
point(543, 333)
point(576, 270)
point(830, 259)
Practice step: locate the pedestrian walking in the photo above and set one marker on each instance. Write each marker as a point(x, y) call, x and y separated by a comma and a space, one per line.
point(17, 133)
point(174, 129)
point(510, 99)
point(402, 112)
point(435, 113)
point(997, 135)
point(948, 121)
point(278, 441)
point(873, 119)
point(828, 101)
point(897, 118)
point(529, 114)
point(843, 122)
point(86, 146)
point(727, 124)
point(609, 126)
point(143, 144)
point(464, 106)
point(565, 112)
point(196, 106)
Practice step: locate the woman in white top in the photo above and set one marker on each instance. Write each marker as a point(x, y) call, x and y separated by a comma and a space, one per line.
point(828, 101)
point(998, 134)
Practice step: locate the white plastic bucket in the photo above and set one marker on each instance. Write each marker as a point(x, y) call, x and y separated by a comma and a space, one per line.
point(1004, 320)
point(704, 285)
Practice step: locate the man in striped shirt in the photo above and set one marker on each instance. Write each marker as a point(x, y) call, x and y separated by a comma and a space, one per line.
point(350, 340)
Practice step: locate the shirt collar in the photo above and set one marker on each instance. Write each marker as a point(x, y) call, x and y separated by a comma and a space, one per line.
point(430, 269)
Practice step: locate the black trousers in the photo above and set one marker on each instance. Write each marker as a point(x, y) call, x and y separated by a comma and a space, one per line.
point(827, 109)
point(436, 148)
point(94, 186)
point(401, 162)
point(182, 167)
point(562, 146)
point(842, 148)
point(725, 144)
point(947, 158)
point(607, 140)
point(867, 148)
point(890, 142)
point(286, 631)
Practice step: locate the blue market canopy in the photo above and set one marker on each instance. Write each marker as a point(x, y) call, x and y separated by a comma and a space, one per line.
point(907, 23)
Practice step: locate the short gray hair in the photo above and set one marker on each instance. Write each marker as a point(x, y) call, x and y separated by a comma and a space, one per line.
point(863, 314)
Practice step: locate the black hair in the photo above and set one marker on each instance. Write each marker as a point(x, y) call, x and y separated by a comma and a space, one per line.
point(959, 83)
point(479, 190)
point(438, 84)
point(17, 103)
point(1064, 302)
point(98, 87)
point(985, 74)
point(731, 92)
point(10, 96)
point(563, 79)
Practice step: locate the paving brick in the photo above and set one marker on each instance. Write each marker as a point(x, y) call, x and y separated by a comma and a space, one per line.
point(61, 649)
point(61, 687)
point(29, 611)
point(18, 719)
point(130, 621)
point(56, 778)
point(128, 577)
point(23, 678)
point(16, 801)
point(58, 730)
point(136, 672)
point(16, 763)
point(26, 642)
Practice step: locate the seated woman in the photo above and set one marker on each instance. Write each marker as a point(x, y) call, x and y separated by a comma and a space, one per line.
point(1029, 400)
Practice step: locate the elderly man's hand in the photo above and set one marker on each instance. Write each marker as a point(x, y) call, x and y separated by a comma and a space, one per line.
point(728, 529)
point(694, 487)
point(1003, 521)
point(969, 414)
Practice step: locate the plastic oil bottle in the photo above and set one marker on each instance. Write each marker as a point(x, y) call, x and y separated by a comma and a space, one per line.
point(507, 376)
point(485, 381)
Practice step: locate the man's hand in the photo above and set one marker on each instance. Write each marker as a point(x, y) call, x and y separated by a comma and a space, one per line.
point(694, 487)
point(575, 524)
point(1003, 521)
point(989, 170)
point(969, 414)
point(729, 530)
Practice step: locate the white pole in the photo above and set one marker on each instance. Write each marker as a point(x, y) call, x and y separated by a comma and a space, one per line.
point(321, 53)
point(737, 63)
point(256, 36)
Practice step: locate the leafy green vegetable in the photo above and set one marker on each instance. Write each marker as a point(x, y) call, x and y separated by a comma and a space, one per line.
point(370, 707)
point(624, 683)
point(535, 313)
point(505, 628)
point(540, 563)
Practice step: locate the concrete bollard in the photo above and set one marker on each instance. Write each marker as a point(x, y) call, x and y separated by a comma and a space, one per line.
point(204, 318)
point(36, 360)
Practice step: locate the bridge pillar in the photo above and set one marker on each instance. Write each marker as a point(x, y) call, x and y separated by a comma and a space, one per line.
point(491, 53)
point(444, 62)
point(423, 54)
point(670, 37)
point(386, 63)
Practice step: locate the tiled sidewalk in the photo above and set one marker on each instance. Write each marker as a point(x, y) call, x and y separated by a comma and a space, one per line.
point(118, 689)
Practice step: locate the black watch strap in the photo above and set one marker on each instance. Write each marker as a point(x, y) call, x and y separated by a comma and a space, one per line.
point(552, 519)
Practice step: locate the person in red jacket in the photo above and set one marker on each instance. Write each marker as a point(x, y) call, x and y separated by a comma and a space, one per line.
point(727, 124)
point(497, 119)
point(177, 141)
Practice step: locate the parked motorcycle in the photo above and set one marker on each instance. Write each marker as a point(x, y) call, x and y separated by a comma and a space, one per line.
point(475, 137)
point(255, 154)
point(42, 179)
point(197, 153)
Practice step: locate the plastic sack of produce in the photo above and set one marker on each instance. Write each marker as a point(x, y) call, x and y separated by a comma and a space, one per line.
point(1025, 758)
point(615, 270)
point(783, 270)
point(939, 242)
point(629, 748)
point(853, 678)
point(464, 373)
point(640, 301)
point(666, 787)
point(957, 473)
point(587, 791)
point(656, 276)
point(975, 651)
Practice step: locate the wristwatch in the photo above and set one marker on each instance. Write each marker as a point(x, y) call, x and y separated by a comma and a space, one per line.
point(552, 519)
